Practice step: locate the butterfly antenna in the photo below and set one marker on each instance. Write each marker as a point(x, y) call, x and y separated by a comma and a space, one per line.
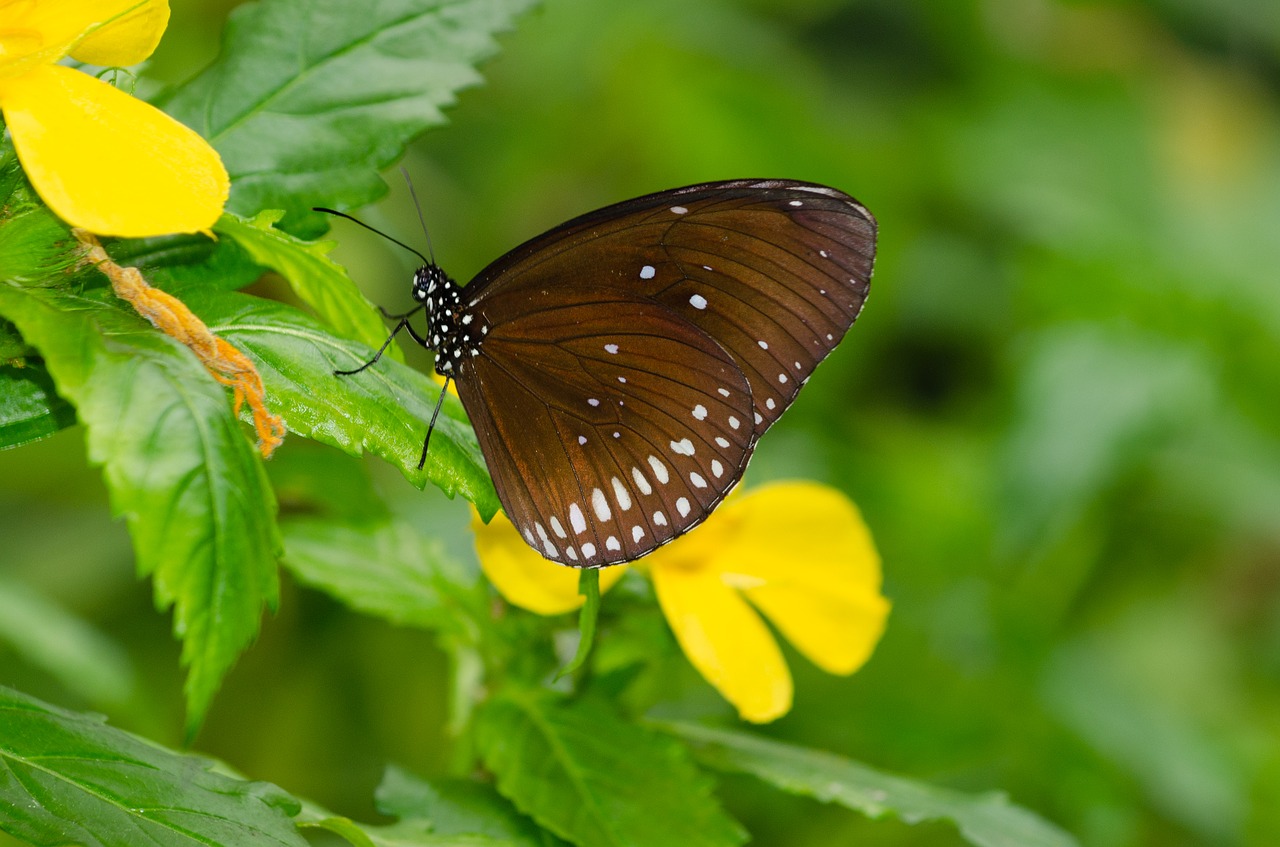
point(418, 206)
point(372, 229)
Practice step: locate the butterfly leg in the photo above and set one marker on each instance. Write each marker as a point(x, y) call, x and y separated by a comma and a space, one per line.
point(402, 324)
point(431, 426)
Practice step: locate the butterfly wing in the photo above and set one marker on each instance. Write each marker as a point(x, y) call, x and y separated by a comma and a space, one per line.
point(632, 357)
point(610, 424)
point(775, 271)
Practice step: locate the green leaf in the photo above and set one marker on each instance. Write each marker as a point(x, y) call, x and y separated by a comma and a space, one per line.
point(384, 409)
point(190, 259)
point(588, 776)
point(67, 778)
point(310, 98)
point(387, 569)
point(987, 820)
point(402, 834)
point(320, 282)
point(11, 344)
point(81, 658)
point(178, 467)
point(30, 408)
point(457, 807)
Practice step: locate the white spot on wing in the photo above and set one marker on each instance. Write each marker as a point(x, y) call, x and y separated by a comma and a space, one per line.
point(637, 532)
point(697, 301)
point(582, 439)
point(612, 543)
point(600, 505)
point(717, 468)
point(764, 345)
point(611, 348)
point(578, 523)
point(724, 392)
point(679, 210)
point(641, 483)
point(684, 446)
point(697, 480)
point(621, 494)
point(659, 469)
point(557, 527)
point(723, 442)
point(659, 519)
point(588, 550)
point(782, 378)
point(682, 506)
point(733, 422)
point(572, 554)
point(769, 404)
point(591, 401)
point(647, 272)
point(700, 412)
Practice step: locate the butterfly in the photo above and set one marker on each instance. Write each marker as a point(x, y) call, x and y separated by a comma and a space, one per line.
point(620, 368)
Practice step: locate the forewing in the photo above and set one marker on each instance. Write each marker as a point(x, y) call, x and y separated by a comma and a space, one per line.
point(774, 271)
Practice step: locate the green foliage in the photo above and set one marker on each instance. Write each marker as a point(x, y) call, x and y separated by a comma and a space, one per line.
point(383, 409)
point(30, 408)
point(1058, 414)
point(70, 779)
point(306, 121)
point(985, 820)
point(458, 807)
point(49, 636)
point(318, 282)
point(180, 471)
point(578, 769)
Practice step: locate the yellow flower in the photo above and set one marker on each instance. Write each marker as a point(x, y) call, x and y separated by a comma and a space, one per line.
point(100, 159)
point(798, 552)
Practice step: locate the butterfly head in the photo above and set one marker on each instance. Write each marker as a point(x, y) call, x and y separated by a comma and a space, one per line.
point(452, 331)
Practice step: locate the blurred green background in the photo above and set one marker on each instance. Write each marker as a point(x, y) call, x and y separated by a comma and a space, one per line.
point(1060, 411)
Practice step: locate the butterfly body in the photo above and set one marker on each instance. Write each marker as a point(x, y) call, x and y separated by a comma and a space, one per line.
point(620, 368)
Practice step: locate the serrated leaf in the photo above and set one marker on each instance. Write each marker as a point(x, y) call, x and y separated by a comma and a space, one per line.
point(310, 98)
point(458, 807)
point(320, 282)
point(987, 820)
point(384, 409)
point(178, 467)
point(387, 569)
point(588, 776)
point(30, 408)
point(48, 636)
point(67, 778)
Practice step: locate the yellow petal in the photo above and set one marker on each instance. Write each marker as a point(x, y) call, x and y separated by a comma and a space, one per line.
point(130, 32)
point(801, 554)
point(107, 162)
point(35, 32)
point(524, 578)
point(723, 637)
